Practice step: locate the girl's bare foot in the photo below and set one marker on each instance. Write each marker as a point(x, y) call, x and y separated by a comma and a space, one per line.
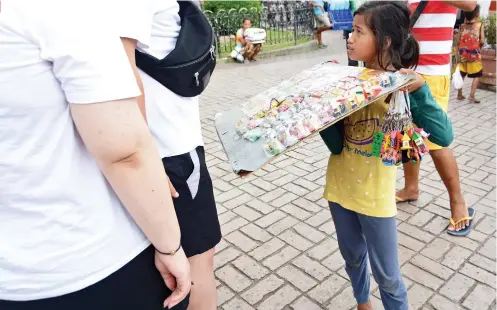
point(460, 97)
point(366, 306)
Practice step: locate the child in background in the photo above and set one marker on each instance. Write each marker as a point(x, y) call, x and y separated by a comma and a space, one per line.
point(248, 50)
point(359, 187)
point(471, 39)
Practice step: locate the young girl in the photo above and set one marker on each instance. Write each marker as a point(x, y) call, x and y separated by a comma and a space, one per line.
point(359, 187)
point(471, 39)
point(249, 50)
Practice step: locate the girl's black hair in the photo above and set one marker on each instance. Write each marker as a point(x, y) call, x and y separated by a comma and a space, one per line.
point(390, 19)
point(469, 15)
point(245, 19)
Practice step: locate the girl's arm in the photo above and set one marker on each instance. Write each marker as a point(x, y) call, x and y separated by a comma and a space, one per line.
point(333, 137)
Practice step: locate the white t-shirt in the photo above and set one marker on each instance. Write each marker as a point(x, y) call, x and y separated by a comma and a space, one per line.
point(173, 120)
point(62, 228)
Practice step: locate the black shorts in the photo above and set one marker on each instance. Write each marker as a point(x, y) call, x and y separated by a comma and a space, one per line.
point(473, 75)
point(136, 286)
point(195, 206)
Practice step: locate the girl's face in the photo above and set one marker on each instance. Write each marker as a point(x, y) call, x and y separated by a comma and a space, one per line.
point(247, 24)
point(361, 44)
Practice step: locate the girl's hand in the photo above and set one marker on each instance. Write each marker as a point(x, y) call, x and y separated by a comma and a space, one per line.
point(418, 82)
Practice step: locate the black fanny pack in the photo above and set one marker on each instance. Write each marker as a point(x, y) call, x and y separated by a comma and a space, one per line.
point(186, 71)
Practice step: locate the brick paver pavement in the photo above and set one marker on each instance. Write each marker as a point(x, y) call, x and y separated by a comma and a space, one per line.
point(279, 249)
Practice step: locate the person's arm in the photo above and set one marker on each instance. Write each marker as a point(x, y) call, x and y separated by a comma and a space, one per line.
point(129, 47)
point(426, 113)
point(465, 5)
point(94, 72)
point(458, 56)
point(482, 35)
point(120, 142)
point(239, 37)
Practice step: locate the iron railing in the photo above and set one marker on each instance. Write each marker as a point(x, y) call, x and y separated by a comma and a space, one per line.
point(288, 24)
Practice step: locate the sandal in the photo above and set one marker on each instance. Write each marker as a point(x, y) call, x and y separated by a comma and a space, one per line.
point(461, 97)
point(474, 100)
point(463, 232)
point(401, 200)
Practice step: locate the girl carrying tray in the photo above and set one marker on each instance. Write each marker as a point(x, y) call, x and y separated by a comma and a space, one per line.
point(359, 186)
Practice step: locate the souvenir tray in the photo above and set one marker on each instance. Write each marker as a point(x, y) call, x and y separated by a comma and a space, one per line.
point(280, 118)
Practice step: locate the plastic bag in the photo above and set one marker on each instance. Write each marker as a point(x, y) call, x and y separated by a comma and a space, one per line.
point(457, 80)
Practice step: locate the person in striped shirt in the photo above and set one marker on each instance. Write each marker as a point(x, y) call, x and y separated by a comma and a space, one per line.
point(434, 32)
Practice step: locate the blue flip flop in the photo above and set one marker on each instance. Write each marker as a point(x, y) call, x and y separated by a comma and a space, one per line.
point(463, 232)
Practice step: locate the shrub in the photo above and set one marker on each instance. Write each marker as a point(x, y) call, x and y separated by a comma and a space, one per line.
point(216, 5)
point(489, 23)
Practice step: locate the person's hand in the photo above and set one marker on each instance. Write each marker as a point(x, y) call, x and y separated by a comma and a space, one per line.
point(418, 82)
point(175, 270)
point(173, 191)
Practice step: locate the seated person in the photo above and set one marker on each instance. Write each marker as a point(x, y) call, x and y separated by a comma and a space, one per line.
point(248, 49)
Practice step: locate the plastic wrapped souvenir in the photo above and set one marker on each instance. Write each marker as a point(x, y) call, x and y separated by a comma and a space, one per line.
point(273, 147)
point(253, 134)
point(242, 126)
point(312, 122)
point(254, 123)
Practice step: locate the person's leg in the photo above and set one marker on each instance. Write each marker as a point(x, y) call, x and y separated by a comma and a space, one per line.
point(319, 37)
point(446, 165)
point(462, 70)
point(410, 192)
point(249, 51)
point(460, 95)
point(474, 86)
point(444, 159)
point(381, 240)
point(257, 50)
point(353, 248)
point(197, 216)
point(203, 293)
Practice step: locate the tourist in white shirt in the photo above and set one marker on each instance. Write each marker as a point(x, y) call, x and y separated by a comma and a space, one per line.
point(73, 145)
point(153, 26)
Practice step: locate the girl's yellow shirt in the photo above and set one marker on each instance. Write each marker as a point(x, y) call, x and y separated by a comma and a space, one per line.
point(355, 179)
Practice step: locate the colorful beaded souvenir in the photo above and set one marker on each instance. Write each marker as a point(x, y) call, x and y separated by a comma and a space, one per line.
point(402, 142)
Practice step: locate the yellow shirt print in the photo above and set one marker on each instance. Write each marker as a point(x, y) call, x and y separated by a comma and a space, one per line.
point(355, 179)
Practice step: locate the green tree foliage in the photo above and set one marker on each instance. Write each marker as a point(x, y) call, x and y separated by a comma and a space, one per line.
point(489, 23)
point(216, 5)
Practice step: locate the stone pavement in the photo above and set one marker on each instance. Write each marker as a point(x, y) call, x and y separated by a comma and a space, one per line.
point(279, 249)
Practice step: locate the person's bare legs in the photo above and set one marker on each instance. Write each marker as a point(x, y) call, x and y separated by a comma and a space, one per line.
point(474, 86)
point(203, 294)
point(446, 165)
point(257, 50)
point(319, 35)
point(460, 95)
point(366, 306)
point(410, 191)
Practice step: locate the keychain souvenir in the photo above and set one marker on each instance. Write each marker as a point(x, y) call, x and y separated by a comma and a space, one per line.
point(406, 142)
point(377, 143)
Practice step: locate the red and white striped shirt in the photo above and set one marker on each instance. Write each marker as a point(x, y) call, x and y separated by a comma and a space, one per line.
point(434, 31)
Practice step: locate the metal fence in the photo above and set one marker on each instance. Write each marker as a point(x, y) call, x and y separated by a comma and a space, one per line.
point(289, 25)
